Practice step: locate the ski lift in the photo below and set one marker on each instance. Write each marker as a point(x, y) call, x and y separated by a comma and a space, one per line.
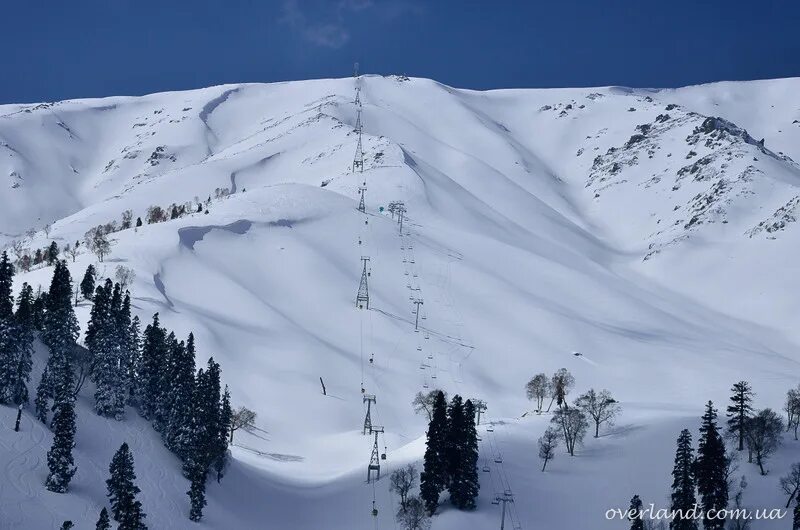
point(487, 470)
point(366, 221)
point(489, 429)
point(430, 356)
point(374, 510)
point(359, 240)
point(433, 376)
point(498, 460)
point(419, 348)
point(371, 358)
point(496, 501)
point(406, 273)
point(362, 389)
point(424, 385)
point(383, 454)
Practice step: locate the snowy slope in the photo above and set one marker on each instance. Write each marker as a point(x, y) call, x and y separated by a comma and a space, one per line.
point(541, 223)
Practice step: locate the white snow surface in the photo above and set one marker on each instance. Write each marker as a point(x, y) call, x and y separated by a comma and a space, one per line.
point(524, 247)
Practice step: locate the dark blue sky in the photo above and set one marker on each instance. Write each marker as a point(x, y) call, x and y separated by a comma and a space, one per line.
point(53, 50)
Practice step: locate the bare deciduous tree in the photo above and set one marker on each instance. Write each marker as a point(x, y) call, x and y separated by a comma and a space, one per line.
point(538, 388)
point(414, 517)
point(573, 424)
point(47, 228)
point(547, 445)
point(792, 408)
point(72, 251)
point(763, 435)
point(97, 241)
point(124, 276)
point(155, 214)
point(560, 385)
point(402, 481)
point(791, 483)
point(424, 402)
point(127, 219)
point(242, 418)
point(600, 406)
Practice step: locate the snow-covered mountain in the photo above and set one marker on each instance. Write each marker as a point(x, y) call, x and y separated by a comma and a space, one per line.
point(652, 231)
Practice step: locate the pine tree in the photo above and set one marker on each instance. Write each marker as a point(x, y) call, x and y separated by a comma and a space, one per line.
point(44, 392)
point(164, 397)
point(178, 403)
point(683, 484)
point(150, 369)
point(711, 469)
point(8, 333)
point(87, 284)
point(197, 461)
point(635, 511)
point(454, 440)
point(52, 253)
point(225, 418)
point(17, 390)
point(60, 324)
point(197, 491)
point(59, 458)
point(122, 491)
point(464, 484)
point(134, 359)
point(740, 410)
point(103, 341)
point(433, 478)
point(103, 522)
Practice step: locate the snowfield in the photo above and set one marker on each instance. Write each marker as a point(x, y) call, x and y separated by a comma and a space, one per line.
point(659, 244)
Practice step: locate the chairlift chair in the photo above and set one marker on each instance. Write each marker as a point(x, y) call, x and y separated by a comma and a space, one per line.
point(487, 470)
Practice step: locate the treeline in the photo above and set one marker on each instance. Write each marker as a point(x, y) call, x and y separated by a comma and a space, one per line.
point(152, 371)
point(96, 239)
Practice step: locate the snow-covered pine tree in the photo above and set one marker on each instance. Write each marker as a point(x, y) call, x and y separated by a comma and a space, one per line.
point(106, 344)
point(433, 478)
point(683, 484)
point(134, 359)
point(44, 391)
point(711, 469)
point(152, 364)
point(740, 410)
point(103, 522)
point(87, 283)
point(52, 253)
point(225, 419)
point(195, 465)
point(59, 458)
point(17, 390)
point(635, 511)
point(464, 485)
point(163, 398)
point(8, 342)
point(197, 491)
point(60, 326)
point(178, 402)
point(122, 491)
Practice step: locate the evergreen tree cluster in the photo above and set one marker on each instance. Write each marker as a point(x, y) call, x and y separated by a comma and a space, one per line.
point(16, 337)
point(451, 455)
point(111, 339)
point(190, 409)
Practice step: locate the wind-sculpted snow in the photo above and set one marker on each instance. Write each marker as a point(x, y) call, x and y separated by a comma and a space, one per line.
point(646, 230)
